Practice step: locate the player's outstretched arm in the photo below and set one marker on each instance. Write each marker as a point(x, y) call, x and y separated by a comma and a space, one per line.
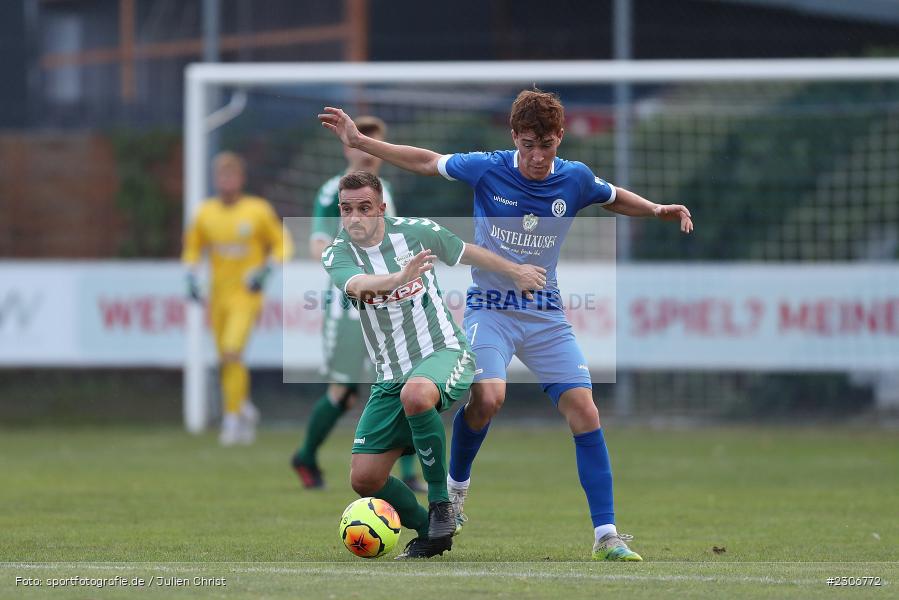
point(527, 278)
point(367, 286)
point(410, 158)
point(632, 205)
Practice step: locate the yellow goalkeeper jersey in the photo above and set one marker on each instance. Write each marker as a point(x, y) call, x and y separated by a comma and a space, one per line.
point(239, 238)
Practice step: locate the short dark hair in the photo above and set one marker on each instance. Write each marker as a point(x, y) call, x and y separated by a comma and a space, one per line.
point(358, 180)
point(537, 111)
point(370, 125)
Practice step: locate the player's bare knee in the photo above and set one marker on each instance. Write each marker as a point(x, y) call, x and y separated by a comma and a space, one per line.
point(486, 403)
point(417, 397)
point(230, 356)
point(336, 391)
point(589, 413)
point(341, 395)
point(366, 483)
point(495, 403)
point(414, 404)
point(582, 416)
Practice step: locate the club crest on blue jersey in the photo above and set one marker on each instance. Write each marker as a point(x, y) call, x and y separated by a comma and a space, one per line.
point(559, 207)
point(529, 222)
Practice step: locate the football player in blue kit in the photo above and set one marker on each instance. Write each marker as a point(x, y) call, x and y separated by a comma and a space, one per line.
point(523, 203)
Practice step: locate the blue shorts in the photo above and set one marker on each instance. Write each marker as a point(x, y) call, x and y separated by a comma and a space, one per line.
point(543, 341)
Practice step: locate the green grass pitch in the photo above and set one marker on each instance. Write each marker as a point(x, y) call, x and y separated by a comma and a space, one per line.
point(786, 509)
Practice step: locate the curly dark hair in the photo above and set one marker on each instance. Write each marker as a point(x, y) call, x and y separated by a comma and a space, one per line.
point(537, 111)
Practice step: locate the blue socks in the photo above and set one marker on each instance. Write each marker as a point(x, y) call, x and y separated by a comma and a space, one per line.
point(595, 473)
point(465, 446)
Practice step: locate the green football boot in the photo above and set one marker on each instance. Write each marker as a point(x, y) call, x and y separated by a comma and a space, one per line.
point(612, 547)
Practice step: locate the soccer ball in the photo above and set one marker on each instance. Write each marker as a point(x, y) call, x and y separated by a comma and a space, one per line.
point(369, 527)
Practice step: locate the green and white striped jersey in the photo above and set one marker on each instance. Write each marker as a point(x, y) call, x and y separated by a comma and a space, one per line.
point(405, 326)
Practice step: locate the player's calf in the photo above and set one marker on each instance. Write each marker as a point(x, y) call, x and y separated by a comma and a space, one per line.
point(487, 398)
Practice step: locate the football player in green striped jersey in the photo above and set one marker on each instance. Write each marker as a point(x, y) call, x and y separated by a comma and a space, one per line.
point(344, 365)
point(423, 362)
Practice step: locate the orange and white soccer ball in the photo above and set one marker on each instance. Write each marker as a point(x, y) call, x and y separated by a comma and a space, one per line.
point(369, 527)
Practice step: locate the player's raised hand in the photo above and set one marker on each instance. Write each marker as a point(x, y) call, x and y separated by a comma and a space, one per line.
point(420, 263)
point(341, 124)
point(529, 278)
point(675, 212)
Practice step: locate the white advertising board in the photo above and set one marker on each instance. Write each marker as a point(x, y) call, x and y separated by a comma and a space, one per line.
point(652, 316)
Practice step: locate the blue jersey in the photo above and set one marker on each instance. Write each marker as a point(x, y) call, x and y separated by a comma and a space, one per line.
point(523, 220)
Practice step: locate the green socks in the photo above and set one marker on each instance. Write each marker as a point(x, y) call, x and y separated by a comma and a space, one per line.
point(408, 466)
point(429, 439)
point(321, 422)
point(412, 514)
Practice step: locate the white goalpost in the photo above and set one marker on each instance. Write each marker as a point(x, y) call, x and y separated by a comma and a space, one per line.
point(795, 240)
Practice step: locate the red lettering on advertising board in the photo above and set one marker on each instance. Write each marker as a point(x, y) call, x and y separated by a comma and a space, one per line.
point(705, 317)
point(594, 319)
point(298, 316)
point(115, 314)
point(828, 317)
point(162, 314)
point(149, 314)
point(173, 313)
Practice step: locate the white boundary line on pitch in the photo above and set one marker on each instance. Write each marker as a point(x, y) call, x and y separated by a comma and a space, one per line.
point(567, 575)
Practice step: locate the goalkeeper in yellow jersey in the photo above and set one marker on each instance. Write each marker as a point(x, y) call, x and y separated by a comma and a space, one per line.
point(241, 235)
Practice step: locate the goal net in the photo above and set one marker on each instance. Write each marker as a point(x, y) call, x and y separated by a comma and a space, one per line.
point(790, 168)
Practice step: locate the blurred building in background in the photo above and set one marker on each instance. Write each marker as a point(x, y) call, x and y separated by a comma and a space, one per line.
point(83, 64)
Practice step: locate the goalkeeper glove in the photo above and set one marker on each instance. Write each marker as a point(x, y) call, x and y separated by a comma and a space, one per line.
point(193, 287)
point(256, 278)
